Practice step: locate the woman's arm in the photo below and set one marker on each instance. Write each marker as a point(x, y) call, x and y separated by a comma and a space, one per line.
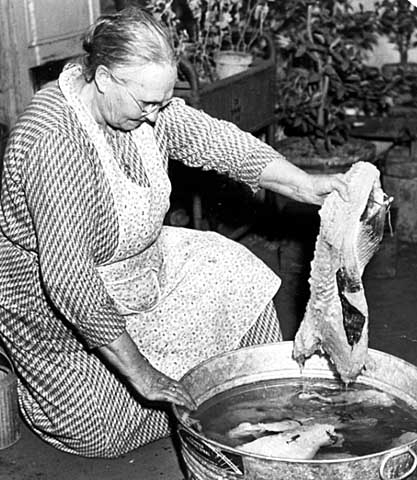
point(61, 199)
point(196, 139)
point(199, 140)
point(123, 356)
point(285, 178)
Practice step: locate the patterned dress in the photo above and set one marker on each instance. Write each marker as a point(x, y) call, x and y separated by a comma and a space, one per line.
point(84, 256)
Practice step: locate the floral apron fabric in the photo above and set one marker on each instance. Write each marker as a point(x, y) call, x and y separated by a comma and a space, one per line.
point(186, 295)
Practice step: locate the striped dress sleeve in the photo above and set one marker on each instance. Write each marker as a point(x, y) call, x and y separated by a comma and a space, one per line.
point(61, 198)
point(199, 140)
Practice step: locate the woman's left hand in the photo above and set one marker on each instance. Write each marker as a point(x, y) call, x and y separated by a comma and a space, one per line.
point(285, 178)
point(322, 185)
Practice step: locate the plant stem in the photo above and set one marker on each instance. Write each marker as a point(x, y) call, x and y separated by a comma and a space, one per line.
point(255, 33)
point(241, 44)
point(324, 80)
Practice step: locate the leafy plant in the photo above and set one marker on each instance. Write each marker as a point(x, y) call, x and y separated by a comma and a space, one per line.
point(397, 19)
point(233, 24)
point(323, 45)
point(217, 25)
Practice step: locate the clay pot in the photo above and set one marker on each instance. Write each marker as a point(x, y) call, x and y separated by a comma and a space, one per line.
point(229, 62)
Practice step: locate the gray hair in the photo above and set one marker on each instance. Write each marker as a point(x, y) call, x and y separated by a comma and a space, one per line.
point(131, 36)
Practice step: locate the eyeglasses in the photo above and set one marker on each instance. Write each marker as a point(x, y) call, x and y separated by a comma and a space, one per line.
point(146, 107)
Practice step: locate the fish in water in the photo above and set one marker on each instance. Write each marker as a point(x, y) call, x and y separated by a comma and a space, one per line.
point(301, 443)
point(257, 429)
point(406, 437)
point(350, 397)
point(336, 317)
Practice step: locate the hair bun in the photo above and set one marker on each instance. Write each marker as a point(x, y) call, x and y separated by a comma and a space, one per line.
point(93, 32)
point(88, 39)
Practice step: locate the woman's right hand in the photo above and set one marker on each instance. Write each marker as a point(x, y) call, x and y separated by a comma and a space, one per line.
point(156, 386)
point(123, 355)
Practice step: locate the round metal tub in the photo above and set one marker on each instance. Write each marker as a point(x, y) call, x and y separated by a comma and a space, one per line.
point(209, 460)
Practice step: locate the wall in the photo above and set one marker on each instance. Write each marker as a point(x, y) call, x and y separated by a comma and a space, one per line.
point(384, 52)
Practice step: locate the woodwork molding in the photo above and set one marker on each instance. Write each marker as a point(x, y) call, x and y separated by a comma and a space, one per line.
point(32, 34)
point(15, 85)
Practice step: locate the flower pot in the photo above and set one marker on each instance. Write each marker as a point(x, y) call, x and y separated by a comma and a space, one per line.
point(408, 69)
point(316, 159)
point(229, 62)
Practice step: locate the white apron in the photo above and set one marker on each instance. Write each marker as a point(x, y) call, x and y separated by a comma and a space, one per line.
point(186, 294)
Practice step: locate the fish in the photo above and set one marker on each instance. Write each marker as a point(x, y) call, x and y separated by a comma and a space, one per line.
point(301, 443)
point(315, 396)
point(350, 397)
point(406, 437)
point(336, 318)
point(257, 429)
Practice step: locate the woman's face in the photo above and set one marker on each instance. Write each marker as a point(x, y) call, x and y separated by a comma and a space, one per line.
point(134, 95)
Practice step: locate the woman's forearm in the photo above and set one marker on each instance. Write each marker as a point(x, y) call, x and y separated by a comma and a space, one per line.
point(123, 356)
point(283, 177)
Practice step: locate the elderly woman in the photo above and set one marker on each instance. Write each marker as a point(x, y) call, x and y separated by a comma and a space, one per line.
point(102, 308)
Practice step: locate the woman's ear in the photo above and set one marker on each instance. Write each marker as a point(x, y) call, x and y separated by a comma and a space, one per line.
point(102, 78)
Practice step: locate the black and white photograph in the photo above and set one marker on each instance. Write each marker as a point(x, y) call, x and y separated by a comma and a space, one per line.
point(208, 239)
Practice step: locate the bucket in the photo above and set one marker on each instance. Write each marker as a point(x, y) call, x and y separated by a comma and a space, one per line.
point(9, 411)
point(229, 63)
point(207, 459)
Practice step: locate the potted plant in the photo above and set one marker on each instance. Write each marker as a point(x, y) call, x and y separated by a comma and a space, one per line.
point(397, 20)
point(218, 30)
point(246, 98)
point(323, 45)
point(238, 26)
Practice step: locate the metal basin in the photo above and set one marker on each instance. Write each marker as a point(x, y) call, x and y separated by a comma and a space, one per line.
point(209, 460)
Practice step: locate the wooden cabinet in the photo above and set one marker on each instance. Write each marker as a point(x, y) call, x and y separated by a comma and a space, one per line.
point(247, 99)
point(34, 33)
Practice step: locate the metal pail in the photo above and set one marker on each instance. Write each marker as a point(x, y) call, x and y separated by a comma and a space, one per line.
point(209, 460)
point(9, 410)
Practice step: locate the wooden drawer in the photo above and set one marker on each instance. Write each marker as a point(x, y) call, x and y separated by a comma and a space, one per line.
point(246, 99)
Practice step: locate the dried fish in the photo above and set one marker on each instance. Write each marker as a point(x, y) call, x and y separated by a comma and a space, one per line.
point(336, 318)
point(300, 443)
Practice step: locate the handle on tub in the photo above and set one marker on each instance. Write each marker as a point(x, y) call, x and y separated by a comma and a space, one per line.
point(397, 454)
